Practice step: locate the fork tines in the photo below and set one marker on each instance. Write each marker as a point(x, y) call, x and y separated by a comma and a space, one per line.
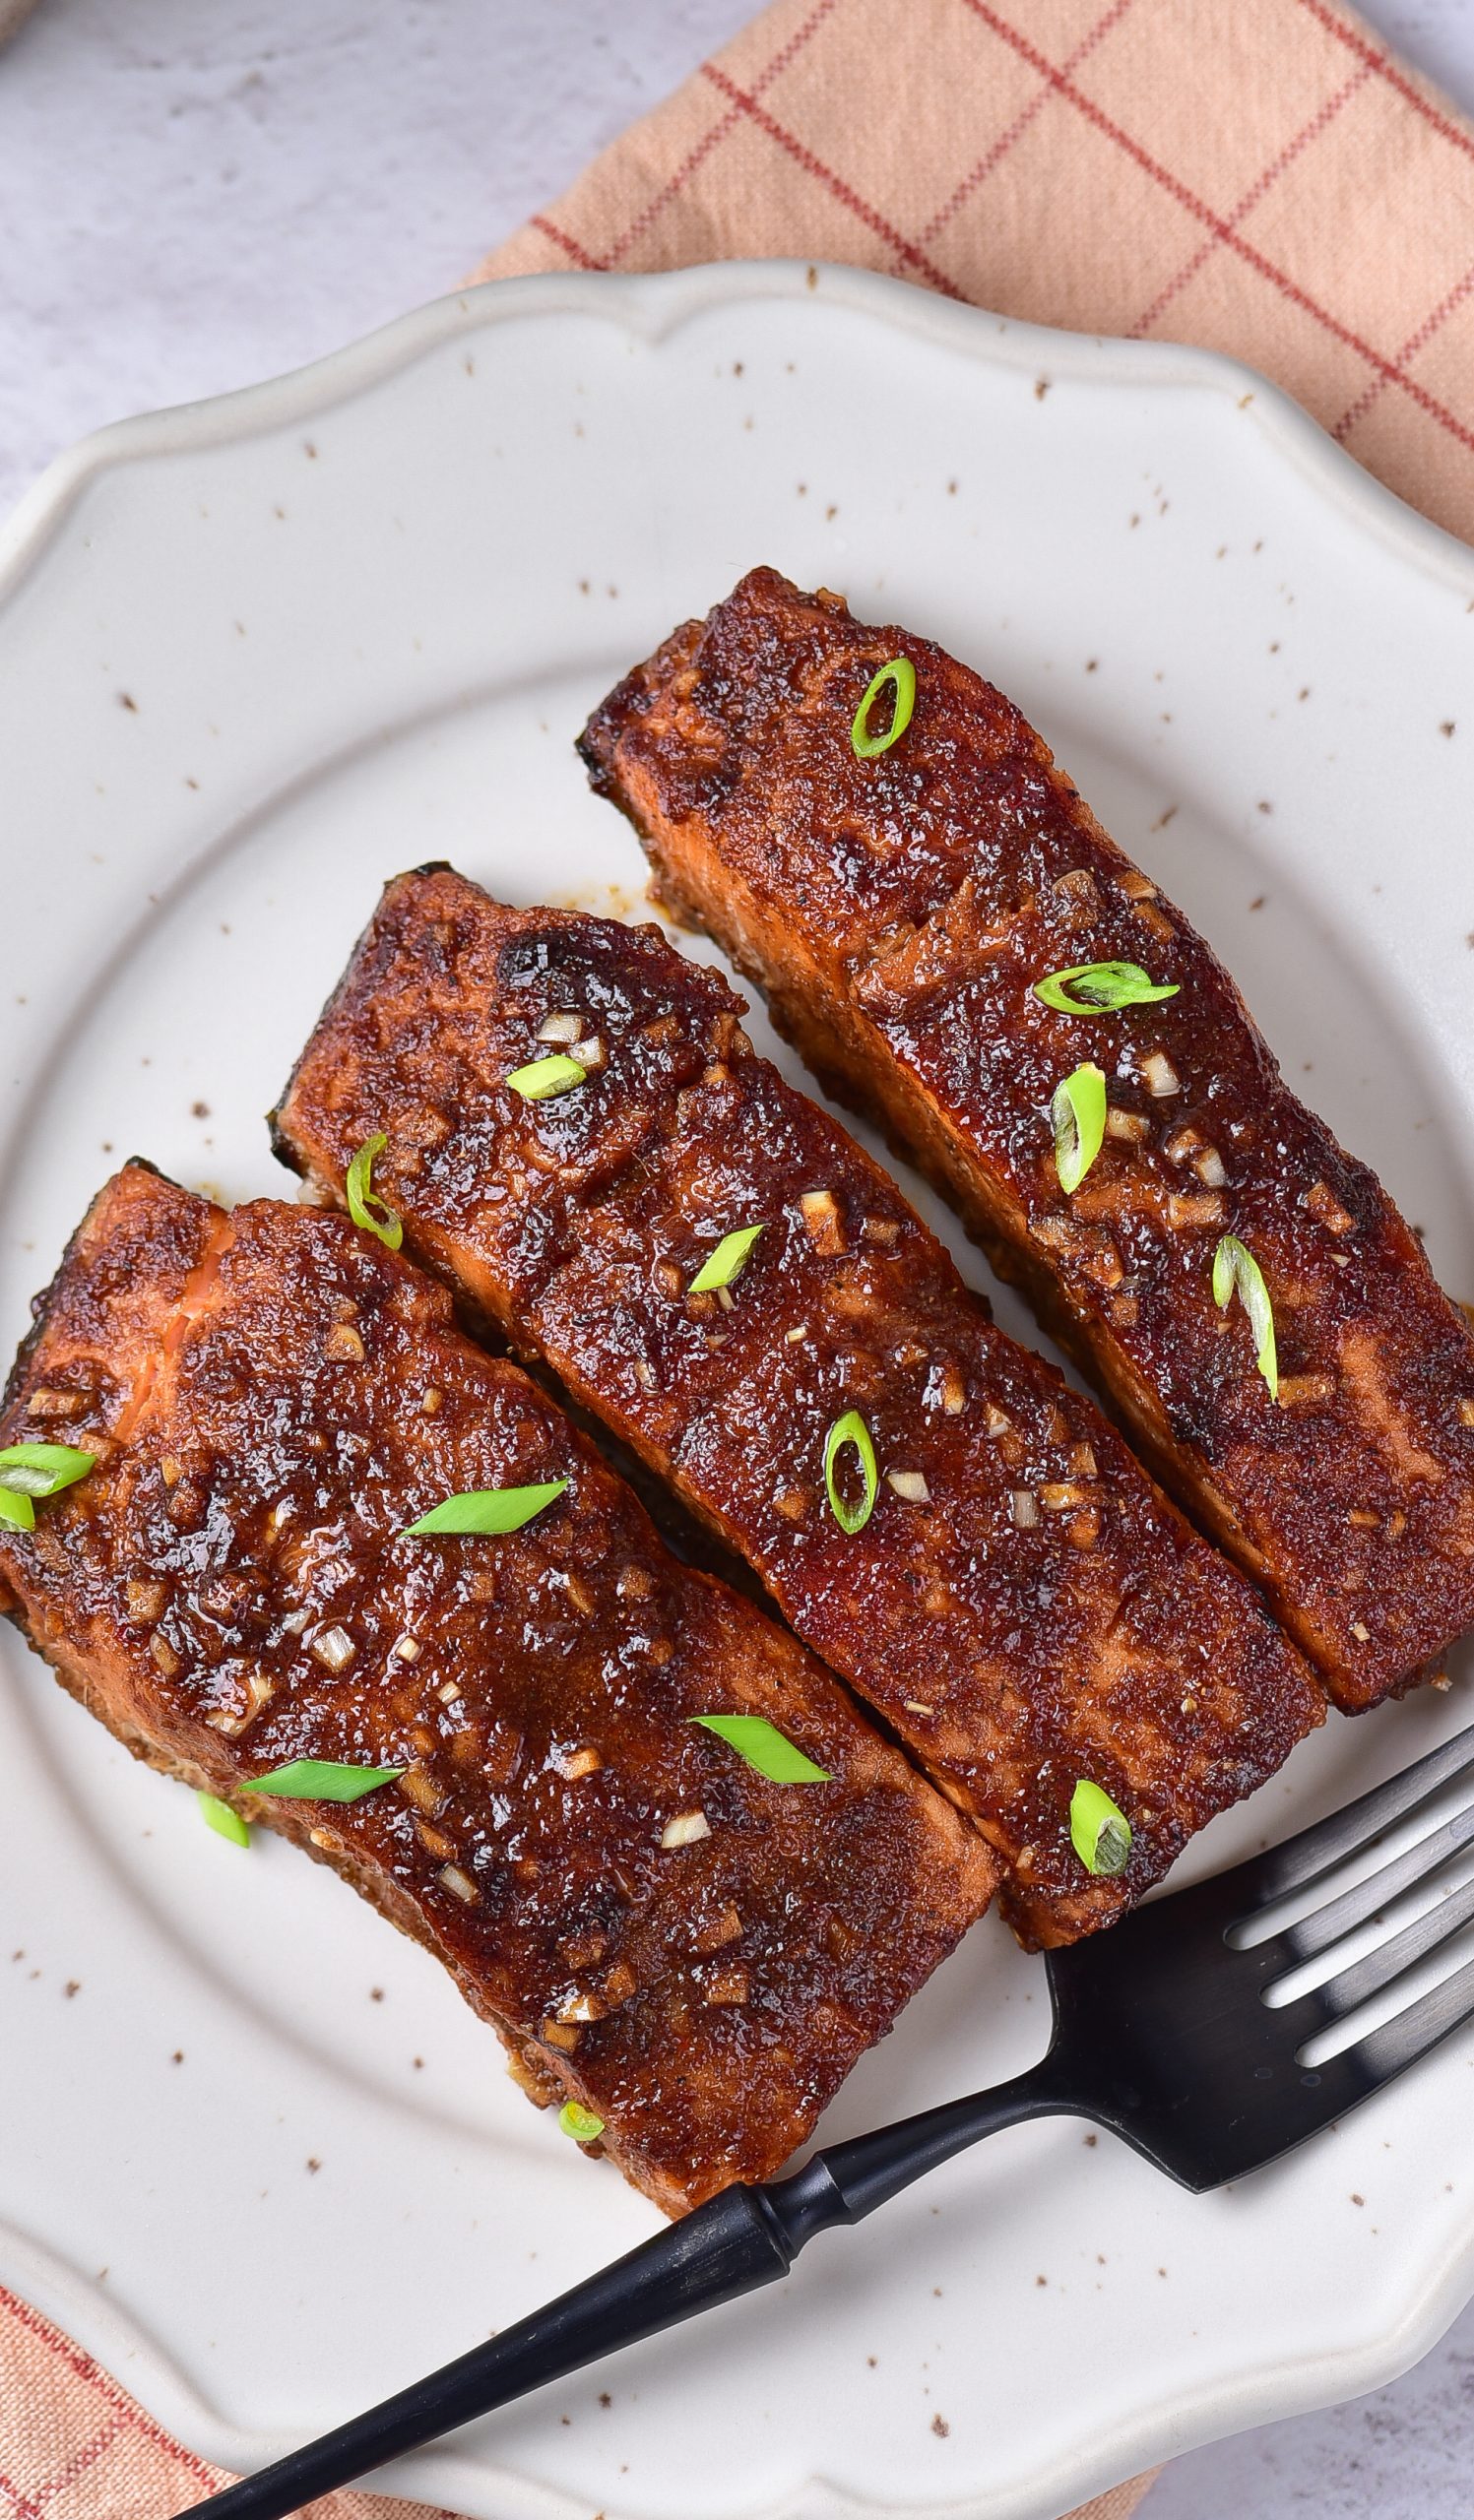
point(1317, 1849)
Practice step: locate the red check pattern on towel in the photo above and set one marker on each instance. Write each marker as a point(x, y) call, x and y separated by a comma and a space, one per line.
point(75, 2446)
point(1264, 179)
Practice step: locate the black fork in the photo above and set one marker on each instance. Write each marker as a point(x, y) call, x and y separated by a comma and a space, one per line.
point(1161, 2033)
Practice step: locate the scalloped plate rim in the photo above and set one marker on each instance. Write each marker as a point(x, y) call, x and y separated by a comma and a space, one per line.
point(653, 307)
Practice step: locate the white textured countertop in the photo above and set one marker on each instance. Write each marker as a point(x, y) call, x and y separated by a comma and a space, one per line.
point(195, 197)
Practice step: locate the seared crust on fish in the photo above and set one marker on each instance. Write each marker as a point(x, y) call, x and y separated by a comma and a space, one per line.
point(898, 912)
point(1022, 1607)
point(693, 1954)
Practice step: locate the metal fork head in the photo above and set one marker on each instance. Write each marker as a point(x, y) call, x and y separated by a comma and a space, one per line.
point(1162, 2026)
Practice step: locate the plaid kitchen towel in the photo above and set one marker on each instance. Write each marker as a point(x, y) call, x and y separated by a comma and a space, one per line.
point(1264, 178)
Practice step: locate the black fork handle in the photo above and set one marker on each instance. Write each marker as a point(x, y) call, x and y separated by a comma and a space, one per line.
point(739, 2240)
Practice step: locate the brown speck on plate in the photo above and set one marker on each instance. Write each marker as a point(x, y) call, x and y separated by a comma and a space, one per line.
point(127, 701)
point(73, 1986)
point(313, 2164)
point(1041, 388)
point(940, 2426)
point(1447, 727)
point(199, 1110)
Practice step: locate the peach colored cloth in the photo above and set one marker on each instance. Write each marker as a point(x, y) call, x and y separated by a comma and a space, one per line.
point(75, 2446)
point(1261, 177)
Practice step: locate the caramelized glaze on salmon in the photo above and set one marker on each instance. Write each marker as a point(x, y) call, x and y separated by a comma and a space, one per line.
point(695, 1955)
point(1022, 1608)
point(898, 912)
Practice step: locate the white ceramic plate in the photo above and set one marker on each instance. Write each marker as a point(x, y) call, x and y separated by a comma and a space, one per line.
point(254, 658)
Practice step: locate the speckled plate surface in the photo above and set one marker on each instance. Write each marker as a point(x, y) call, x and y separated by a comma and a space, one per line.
point(258, 655)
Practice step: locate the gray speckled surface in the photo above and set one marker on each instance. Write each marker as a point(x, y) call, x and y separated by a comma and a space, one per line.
point(193, 198)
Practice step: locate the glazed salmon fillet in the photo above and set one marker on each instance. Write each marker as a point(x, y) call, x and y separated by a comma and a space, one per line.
point(899, 911)
point(1021, 1606)
point(693, 1954)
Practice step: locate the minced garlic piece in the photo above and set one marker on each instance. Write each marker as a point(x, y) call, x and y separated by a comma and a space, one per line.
point(335, 1647)
point(1159, 1075)
point(821, 1217)
point(583, 1761)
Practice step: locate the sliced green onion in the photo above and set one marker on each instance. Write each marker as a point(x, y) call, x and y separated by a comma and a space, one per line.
point(227, 1823)
point(365, 1206)
point(765, 1749)
point(27, 1471)
point(1078, 1112)
point(851, 1429)
point(1101, 988)
point(579, 2123)
point(900, 674)
point(1099, 1831)
point(540, 1079)
point(321, 1781)
point(43, 1470)
point(727, 1263)
point(1235, 1271)
point(488, 1509)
